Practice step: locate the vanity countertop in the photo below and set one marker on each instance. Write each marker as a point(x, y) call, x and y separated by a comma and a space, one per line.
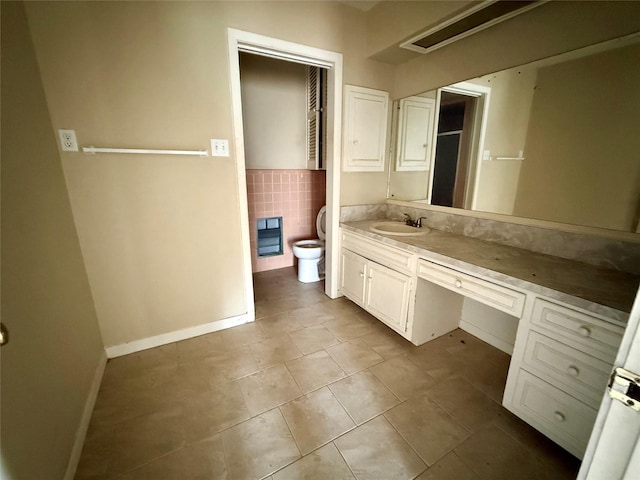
point(596, 289)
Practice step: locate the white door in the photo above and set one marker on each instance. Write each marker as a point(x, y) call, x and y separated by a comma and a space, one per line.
point(613, 451)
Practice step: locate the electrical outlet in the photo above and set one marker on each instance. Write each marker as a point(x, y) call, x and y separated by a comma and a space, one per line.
point(68, 140)
point(219, 148)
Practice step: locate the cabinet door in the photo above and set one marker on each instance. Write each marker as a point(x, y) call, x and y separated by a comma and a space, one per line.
point(415, 133)
point(352, 276)
point(365, 129)
point(387, 295)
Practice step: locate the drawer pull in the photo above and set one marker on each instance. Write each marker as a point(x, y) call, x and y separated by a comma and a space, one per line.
point(559, 416)
point(573, 371)
point(458, 284)
point(584, 331)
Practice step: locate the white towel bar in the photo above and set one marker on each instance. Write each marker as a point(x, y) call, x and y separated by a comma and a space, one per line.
point(202, 153)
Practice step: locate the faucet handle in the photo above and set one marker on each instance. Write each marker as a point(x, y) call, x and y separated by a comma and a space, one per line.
point(407, 219)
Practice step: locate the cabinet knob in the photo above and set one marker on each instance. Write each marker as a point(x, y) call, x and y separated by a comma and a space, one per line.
point(573, 371)
point(584, 331)
point(458, 284)
point(355, 142)
point(362, 274)
point(559, 416)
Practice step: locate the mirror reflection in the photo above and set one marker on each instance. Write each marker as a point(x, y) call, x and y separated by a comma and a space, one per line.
point(555, 140)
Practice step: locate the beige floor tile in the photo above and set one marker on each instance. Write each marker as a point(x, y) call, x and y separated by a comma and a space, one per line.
point(364, 396)
point(348, 327)
point(163, 412)
point(214, 410)
point(354, 355)
point(342, 306)
point(323, 464)
point(243, 335)
point(203, 460)
point(491, 453)
point(376, 451)
point(136, 442)
point(387, 343)
point(437, 362)
point(198, 347)
point(490, 377)
point(449, 468)
point(230, 365)
point(268, 389)
point(315, 370)
point(316, 419)
point(313, 315)
point(158, 361)
point(465, 403)
point(276, 350)
point(276, 325)
point(402, 377)
point(259, 447)
point(312, 339)
point(427, 428)
point(556, 459)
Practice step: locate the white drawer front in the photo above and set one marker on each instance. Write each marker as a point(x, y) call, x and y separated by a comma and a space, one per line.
point(497, 296)
point(378, 252)
point(582, 330)
point(555, 413)
point(571, 370)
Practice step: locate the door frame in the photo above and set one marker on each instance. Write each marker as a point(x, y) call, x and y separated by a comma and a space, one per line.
point(479, 128)
point(242, 41)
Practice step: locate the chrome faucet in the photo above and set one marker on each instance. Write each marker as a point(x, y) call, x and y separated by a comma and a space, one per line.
point(413, 223)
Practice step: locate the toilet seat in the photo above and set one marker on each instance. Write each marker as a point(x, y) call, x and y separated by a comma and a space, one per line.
point(321, 223)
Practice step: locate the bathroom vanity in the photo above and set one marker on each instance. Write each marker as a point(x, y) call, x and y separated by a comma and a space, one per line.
point(561, 320)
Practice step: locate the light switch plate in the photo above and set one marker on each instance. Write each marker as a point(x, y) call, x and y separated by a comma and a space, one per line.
point(219, 147)
point(486, 155)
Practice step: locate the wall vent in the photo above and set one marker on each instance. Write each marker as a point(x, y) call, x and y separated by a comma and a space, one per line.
point(483, 15)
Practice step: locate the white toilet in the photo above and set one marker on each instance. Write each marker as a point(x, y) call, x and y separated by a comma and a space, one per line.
point(310, 253)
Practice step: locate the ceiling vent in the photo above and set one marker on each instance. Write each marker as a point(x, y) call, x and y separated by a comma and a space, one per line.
point(477, 18)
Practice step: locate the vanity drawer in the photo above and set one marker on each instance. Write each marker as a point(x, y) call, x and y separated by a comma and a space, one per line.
point(497, 296)
point(555, 413)
point(586, 332)
point(378, 252)
point(571, 370)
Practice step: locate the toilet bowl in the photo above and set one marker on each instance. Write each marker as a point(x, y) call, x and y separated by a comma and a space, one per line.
point(310, 253)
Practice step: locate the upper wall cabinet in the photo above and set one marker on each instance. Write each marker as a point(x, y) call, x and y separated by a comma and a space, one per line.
point(365, 129)
point(415, 133)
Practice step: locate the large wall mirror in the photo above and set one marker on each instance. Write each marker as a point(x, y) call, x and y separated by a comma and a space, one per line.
point(555, 140)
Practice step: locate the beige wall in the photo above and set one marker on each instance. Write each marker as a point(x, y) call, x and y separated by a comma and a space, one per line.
point(506, 133)
point(55, 347)
point(583, 143)
point(161, 236)
point(274, 112)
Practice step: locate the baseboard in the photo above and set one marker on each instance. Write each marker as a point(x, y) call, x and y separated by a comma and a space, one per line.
point(165, 338)
point(491, 339)
point(81, 433)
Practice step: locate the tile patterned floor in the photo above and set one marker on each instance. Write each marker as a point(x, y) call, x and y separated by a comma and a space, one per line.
point(315, 389)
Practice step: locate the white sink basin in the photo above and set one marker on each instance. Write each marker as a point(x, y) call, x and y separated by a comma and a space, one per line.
point(397, 228)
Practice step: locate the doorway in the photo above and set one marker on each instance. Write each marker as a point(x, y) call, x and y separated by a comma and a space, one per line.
point(240, 41)
point(461, 112)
